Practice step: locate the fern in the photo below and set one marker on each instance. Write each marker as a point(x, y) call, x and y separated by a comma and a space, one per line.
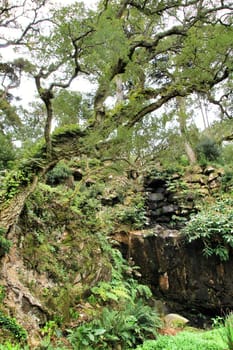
point(214, 227)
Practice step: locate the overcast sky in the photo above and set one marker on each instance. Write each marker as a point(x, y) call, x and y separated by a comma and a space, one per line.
point(27, 89)
point(89, 3)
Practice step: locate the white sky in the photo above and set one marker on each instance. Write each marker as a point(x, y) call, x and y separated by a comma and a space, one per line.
point(27, 90)
point(88, 3)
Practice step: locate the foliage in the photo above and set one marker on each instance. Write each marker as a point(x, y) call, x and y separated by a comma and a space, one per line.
point(213, 225)
point(2, 293)
point(227, 154)
point(122, 288)
point(13, 182)
point(228, 331)
point(7, 151)
point(11, 325)
point(9, 119)
point(146, 62)
point(124, 318)
point(207, 150)
point(186, 340)
point(70, 108)
point(58, 242)
point(60, 172)
point(158, 52)
point(132, 212)
point(127, 327)
point(227, 179)
point(5, 244)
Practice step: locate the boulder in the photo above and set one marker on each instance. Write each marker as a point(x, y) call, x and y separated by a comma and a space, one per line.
point(175, 320)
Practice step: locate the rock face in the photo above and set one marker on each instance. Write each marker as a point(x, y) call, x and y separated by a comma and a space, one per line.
point(178, 272)
point(171, 198)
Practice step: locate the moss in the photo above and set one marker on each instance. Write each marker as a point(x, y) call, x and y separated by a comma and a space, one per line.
point(61, 251)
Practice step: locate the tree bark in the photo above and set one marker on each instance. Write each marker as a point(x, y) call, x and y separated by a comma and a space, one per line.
point(10, 213)
point(182, 117)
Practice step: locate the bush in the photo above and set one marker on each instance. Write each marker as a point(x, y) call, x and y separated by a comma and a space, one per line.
point(227, 153)
point(207, 150)
point(59, 173)
point(134, 213)
point(125, 327)
point(9, 346)
point(214, 228)
point(11, 325)
point(227, 180)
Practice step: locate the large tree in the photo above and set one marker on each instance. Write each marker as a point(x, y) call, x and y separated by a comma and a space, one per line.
point(152, 53)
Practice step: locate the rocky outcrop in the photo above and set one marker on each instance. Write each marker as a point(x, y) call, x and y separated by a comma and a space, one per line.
point(51, 264)
point(172, 198)
point(178, 272)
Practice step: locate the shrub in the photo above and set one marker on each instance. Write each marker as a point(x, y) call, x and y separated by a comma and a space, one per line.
point(207, 150)
point(227, 153)
point(227, 180)
point(11, 325)
point(134, 213)
point(13, 182)
point(214, 228)
point(59, 173)
point(125, 327)
point(9, 346)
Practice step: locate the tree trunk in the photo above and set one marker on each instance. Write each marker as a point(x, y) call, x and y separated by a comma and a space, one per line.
point(10, 213)
point(182, 117)
point(190, 153)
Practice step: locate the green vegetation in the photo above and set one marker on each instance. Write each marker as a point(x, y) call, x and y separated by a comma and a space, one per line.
point(13, 182)
point(186, 340)
point(9, 346)
point(7, 152)
point(153, 67)
point(5, 243)
point(122, 317)
point(60, 172)
point(11, 325)
point(213, 225)
point(125, 327)
point(219, 338)
point(228, 331)
point(207, 150)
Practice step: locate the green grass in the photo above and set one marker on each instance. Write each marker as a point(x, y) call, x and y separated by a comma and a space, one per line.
point(188, 340)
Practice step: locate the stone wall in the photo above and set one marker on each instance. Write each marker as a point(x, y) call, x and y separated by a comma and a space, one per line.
point(172, 198)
